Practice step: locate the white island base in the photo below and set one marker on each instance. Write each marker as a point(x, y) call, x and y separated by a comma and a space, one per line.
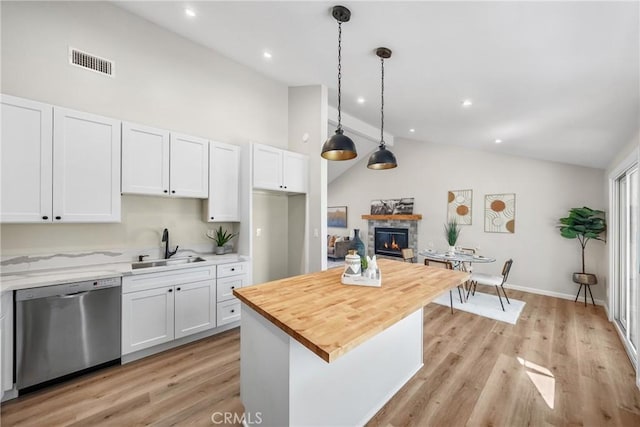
point(282, 383)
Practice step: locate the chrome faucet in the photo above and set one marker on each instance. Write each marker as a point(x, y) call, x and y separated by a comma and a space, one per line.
point(165, 238)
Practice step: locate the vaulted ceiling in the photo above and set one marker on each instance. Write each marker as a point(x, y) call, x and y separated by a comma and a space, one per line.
point(555, 81)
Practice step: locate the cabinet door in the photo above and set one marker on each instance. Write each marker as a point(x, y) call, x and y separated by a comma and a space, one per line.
point(267, 167)
point(224, 177)
point(7, 341)
point(295, 172)
point(189, 166)
point(147, 318)
point(26, 144)
point(145, 160)
point(195, 307)
point(86, 167)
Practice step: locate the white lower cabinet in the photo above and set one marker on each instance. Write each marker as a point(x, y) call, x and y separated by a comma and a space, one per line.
point(160, 307)
point(6, 342)
point(147, 318)
point(230, 277)
point(195, 308)
point(228, 311)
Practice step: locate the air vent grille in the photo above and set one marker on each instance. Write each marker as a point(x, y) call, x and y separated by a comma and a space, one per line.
point(91, 62)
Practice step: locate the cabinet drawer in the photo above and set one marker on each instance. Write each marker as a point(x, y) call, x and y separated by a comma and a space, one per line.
point(228, 311)
point(141, 282)
point(235, 269)
point(226, 286)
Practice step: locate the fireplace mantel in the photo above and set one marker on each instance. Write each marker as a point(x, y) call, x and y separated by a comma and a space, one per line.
point(416, 217)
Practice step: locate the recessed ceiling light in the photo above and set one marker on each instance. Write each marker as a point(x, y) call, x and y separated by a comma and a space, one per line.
point(467, 103)
point(498, 141)
point(412, 130)
point(360, 100)
point(190, 12)
point(267, 54)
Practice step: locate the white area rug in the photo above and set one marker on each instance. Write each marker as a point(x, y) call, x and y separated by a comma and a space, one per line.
point(486, 305)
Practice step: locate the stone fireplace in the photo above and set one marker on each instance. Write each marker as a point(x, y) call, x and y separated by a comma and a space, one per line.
point(390, 241)
point(396, 231)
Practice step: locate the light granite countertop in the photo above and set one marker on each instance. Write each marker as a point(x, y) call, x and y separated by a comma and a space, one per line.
point(53, 276)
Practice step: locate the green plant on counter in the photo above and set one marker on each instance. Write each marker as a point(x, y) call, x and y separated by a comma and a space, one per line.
point(583, 224)
point(451, 232)
point(221, 237)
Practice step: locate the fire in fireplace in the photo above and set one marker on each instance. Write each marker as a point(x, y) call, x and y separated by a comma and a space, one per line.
point(391, 241)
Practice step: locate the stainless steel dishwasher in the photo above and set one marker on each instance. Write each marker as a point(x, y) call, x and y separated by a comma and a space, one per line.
point(65, 329)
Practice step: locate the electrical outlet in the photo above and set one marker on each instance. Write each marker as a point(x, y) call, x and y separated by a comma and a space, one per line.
point(258, 232)
point(316, 233)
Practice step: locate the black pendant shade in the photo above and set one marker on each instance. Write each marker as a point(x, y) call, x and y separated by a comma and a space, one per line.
point(382, 159)
point(339, 147)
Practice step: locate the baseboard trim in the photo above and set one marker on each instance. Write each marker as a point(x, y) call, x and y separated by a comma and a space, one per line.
point(549, 293)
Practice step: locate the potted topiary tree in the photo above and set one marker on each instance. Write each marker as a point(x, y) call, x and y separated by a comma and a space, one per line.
point(583, 224)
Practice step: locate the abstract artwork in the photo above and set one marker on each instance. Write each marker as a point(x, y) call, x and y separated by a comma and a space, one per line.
point(459, 206)
point(500, 213)
point(337, 216)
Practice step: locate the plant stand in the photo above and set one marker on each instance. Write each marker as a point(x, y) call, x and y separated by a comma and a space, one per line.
point(586, 280)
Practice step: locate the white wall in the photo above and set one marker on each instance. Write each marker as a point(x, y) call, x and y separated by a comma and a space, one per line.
point(270, 249)
point(308, 119)
point(545, 191)
point(160, 79)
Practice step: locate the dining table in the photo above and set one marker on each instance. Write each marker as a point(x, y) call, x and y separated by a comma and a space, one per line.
point(458, 259)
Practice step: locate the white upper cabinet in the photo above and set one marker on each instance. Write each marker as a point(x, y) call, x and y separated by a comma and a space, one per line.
point(158, 162)
point(295, 172)
point(267, 167)
point(189, 166)
point(86, 167)
point(224, 177)
point(58, 165)
point(279, 170)
point(145, 160)
point(26, 154)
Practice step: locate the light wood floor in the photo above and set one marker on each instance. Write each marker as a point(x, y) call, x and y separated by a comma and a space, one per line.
point(561, 365)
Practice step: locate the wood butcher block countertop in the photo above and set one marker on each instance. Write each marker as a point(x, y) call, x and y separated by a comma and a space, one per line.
point(330, 318)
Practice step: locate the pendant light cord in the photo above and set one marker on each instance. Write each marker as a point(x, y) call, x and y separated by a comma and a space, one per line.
point(382, 104)
point(339, 73)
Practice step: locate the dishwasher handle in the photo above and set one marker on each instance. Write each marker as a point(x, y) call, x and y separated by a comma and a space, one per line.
point(73, 295)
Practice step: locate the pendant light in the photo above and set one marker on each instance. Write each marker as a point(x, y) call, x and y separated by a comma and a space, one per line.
point(339, 146)
point(383, 158)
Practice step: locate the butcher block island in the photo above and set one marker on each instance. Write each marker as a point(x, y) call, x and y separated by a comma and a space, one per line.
point(317, 352)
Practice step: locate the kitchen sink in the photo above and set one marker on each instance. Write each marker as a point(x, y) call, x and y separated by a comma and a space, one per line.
point(165, 262)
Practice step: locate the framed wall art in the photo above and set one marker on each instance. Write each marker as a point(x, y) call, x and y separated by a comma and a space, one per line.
point(337, 216)
point(500, 213)
point(459, 204)
point(402, 206)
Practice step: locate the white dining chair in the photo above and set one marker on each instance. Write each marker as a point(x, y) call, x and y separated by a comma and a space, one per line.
point(492, 280)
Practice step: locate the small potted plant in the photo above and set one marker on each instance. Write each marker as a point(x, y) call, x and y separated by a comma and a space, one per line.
point(221, 238)
point(451, 233)
point(583, 224)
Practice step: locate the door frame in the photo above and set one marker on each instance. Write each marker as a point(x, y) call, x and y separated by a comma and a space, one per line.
point(628, 162)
